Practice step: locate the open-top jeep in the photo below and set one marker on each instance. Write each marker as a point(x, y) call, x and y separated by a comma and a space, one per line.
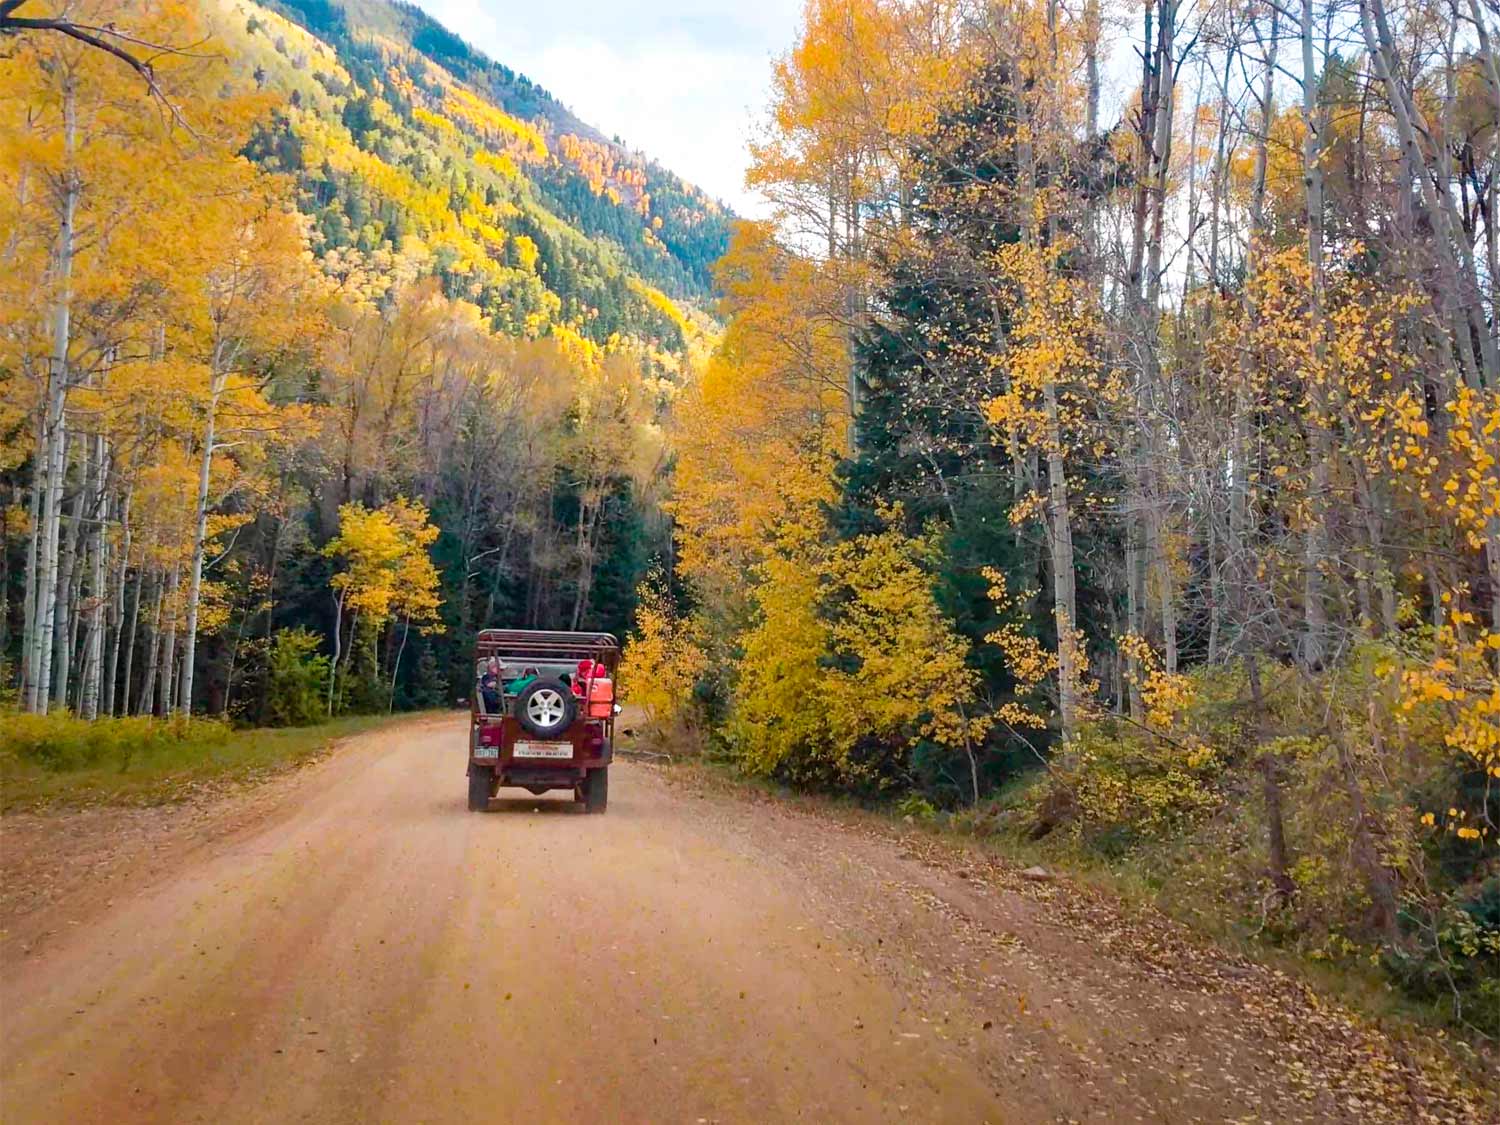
point(542, 714)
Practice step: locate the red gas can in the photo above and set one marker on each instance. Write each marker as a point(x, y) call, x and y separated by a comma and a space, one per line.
point(601, 697)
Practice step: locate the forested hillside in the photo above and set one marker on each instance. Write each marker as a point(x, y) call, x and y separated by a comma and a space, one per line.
point(324, 340)
point(1122, 475)
point(416, 154)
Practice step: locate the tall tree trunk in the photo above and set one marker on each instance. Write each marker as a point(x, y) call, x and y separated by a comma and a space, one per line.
point(145, 704)
point(117, 610)
point(338, 647)
point(234, 657)
point(1320, 444)
point(265, 686)
point(1246, 395)
point(1455, 256)
point(67, 585)
point(1059, 515)
point(169, 644)
point(44, 619)
point(581, 548)
point(390, 705)
point(1277, 858)
point(131, 632)
point(1492, 217)
point(93, 648)
point(200, 530)
point(1158, 160)
point(34, 511)
point(1064, 591)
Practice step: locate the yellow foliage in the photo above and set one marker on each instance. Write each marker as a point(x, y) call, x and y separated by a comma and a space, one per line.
point(497, 162)
point(663, 658)
point(387, 570)
point(527, 253)
point(865, 77)
point(850, 652)
point(663, 304)
point(494, 126)
point(1029, 663)
point(434, 121)
point(758, 427)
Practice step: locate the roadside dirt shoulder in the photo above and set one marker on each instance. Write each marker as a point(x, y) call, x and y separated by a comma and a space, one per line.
point(61, 867)
point(1142, 1018)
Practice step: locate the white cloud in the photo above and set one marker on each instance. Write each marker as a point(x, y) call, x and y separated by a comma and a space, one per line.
point(681, 80)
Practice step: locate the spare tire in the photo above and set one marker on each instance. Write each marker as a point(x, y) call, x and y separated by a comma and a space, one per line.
point(546, 707)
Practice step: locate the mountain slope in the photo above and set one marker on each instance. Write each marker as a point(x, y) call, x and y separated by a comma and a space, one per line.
point(415, 155)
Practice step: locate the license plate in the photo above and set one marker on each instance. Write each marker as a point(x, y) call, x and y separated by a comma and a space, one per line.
point(483, 751)
point(544, 750)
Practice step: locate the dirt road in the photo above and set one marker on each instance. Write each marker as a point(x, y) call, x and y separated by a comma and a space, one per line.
point(366, 950)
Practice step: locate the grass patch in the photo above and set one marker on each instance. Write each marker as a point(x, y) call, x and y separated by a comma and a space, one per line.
point(61, 761)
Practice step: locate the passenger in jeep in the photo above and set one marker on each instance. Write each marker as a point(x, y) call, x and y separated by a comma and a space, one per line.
point(489, 686)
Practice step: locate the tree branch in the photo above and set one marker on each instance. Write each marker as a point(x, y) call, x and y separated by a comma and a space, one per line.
point(107, 39)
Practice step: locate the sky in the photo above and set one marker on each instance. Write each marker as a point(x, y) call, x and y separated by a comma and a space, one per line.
point(682, 80)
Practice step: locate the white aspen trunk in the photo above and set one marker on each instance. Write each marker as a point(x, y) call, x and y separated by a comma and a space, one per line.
point(1160, 160)
point(93, 648)
point(234, 657)
point(34, 510)
point(396, 664)
point(200, 531)
point(1064, 591)
point(1064, 607)
point(1492, 223)
point(585, 566)
point(1091, 25)
point(45, 618)
point(1139, 335)
point(1135, 611)
point(131, 635)
point(1215, 590)
point(1441, 211)
point(67, 586)
point(117, 610)
point(349, 649)
point(169, 643)
point(338, 643)
point(587, 540)
point(1246, 396)
point(1315, 540)
point(153, 650)
point(145, 703)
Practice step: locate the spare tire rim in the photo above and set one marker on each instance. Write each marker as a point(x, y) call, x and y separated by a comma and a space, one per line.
point(545, 708)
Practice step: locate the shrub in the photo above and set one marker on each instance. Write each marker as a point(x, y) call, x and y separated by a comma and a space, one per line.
point(663, 660)
point(298, 679)
point(60, 742)
point(1125, 785)
point(851, 665)
point(1461, 964)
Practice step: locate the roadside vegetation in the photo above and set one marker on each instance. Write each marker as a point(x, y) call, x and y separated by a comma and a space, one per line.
point(59, 761)
point(1122, 481)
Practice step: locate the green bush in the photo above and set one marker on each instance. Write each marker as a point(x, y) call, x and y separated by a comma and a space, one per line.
point(1462, 965)
point(297, 674)
point(60, 742)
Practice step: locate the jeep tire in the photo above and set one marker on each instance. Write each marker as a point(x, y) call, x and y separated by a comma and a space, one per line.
point(481, 782)
point(546, 707)
point(596, 790)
